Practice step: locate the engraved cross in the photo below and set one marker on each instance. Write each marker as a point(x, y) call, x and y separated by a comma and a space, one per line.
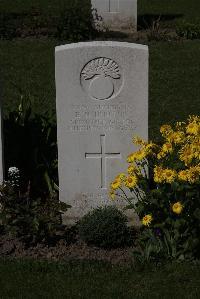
point(103, 156)
point(113, 5)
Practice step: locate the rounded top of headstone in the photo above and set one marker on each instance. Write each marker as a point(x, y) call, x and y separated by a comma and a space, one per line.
point(101, 44)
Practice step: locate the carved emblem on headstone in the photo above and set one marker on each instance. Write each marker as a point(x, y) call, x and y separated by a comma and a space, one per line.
point(101, 78)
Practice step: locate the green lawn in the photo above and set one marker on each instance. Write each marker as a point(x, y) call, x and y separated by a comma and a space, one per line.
point(92, 280)
point(20, 6)
point(27, 68)
point(184, 9)
point(27, 65)
point(189, 10)
point(174, 82)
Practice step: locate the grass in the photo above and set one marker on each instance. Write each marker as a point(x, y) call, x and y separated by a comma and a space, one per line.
point(21, 6)
point(174, 82)
point(171, 9)
point(27, 68)
point(85, 280)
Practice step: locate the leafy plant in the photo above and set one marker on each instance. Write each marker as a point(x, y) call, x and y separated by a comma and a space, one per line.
point(149, 248)
point(105, 227)
point(30, 144)
point(32, 219)
point(155, 32)
point(165, 180)
point(77, 21)
point(188, 30)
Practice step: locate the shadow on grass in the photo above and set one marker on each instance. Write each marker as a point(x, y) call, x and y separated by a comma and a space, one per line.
point(83, 279)
point(146, 20)
point(114, 34)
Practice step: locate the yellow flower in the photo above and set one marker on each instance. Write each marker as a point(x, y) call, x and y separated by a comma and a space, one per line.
point(121, 177)
point(193, 128)
point(140, 155)
point(193, 174)
point(112, 194)
point(196, 149)
point(162, 175)
point(158, 174)
point(169, 175)
point(194, 118)
point(167, 148)
point(131, 158)
point(183, 175)
point(131, 181)
point(138, 141)
point(186, 154)
point(131, 169)
point(176, 137)
point(165, 130)
point(161, 155)
point(177, 207)
point(115, 184)
point(147, 219)
point(149, 147)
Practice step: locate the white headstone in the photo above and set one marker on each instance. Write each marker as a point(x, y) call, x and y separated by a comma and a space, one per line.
point(102, 101)
point(117, 14)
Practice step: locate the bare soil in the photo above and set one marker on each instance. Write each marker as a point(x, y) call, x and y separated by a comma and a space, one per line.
point(15, 248)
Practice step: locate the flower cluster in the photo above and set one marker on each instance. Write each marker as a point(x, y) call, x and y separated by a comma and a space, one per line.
point(14, 176)
point(135, 170)
point(174, 161)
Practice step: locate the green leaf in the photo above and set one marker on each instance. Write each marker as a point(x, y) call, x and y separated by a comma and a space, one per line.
point(129, 207)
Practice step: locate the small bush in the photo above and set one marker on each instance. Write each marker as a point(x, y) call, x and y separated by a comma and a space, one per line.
point(32, 219)
point(188, 30)
point(76, 22)
point(105, 227)
point(155, 32)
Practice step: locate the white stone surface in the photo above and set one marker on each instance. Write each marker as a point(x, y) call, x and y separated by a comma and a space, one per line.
point(117, 14)
point(102, 101)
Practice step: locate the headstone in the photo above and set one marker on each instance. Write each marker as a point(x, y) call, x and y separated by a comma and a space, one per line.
point(117, 14)
point(102, 101)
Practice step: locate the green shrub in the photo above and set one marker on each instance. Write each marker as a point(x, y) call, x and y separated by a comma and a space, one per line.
point(33, 220)
point(30, 144)
point(33, 22)
point(105, 227)
point(188, 30)
point(73, 20)
point(76, 22)
point(155, 32)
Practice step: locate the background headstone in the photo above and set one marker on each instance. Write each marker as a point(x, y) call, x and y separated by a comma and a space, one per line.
point(117, 14)
point(102, 101)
